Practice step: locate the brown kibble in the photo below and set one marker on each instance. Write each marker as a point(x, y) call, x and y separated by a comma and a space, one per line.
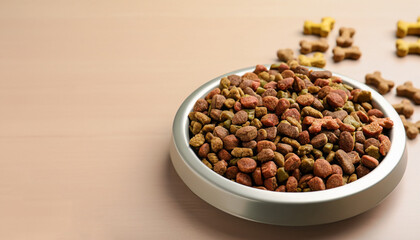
point(212, 93)
point(372, 130)
point(292, 112)
point(270, 102)
point(346, 53)
point(344, 161)
point(322, 168)
point(270, 120)
point(231, 172)
point(265, 155)
point(247, 133)
point(369, 162)
point(230, 142)
point(335, 169)
point(291, 184)
point(249, 102)
point(346, 141)
point(346, 37)
point(240, 118)
point(385, 144)
point(201, 105)
point(270, 183)
point(288, 130)
point(220, 132)
point(285, 83)
point(282, 106)
point(319, 140)
point(371, 141)
point(284, 148)
point(361, 171)
point(404, 108)
point(375, 112)
point(285, 55)
point(235, 80)
point(250, 76)
point(217, 101)
point(292, 163)
point(335, 100)
point(250, 144)
point(220, 167)
point(281, 188)
point(224, 155)
point(409, 91)
point(375, 79)
point(303, 137)
point(271, 133)
point(204, 150)
point(334, 181)
point(246, 165)
point(316, 184)
point(303, 181)
point(268, 169)
point(320, 45)
point(354, 157)
point(314, 75)
point(257, 176)
point(264, 144)
point(305, 100)
point(244, 179)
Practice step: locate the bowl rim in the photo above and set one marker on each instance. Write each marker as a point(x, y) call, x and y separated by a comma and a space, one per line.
point(180, 133)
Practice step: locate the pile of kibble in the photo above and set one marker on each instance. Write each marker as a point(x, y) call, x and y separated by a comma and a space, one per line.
point(290, 129)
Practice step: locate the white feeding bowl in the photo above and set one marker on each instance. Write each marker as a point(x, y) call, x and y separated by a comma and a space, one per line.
point(285, 208)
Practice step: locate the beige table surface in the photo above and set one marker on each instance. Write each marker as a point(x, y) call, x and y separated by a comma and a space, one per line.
point(89, 89)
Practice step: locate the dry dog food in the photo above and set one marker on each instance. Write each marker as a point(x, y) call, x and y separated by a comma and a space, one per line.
point(320, 45)
point(346, 37)
point(375, 79)
point(322, 29)
point(409, 91)
point(317, 60)
point(404, 108)
point(408, 28)
point(411, 129)
point(339, 53)
point(289, 129)
point(404, 48)
point(285, 55)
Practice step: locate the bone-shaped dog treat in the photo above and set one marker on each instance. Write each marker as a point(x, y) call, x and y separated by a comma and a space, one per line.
point(405, 108)
point(408, 28)
point(285, 55)
point(317, 60)
point(346, 37)
point(322, 29)
point(375, 79)
point(346, 53)
point(409, 91)
point(404, 48)
point(311, 46)
point(411, 129)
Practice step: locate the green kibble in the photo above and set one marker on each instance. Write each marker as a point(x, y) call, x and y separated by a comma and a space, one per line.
point(276, 140)
point(207, 163)
point(256, 123)
point(350, 120)
point(275, 66)
point(305, 149)
point(294, 122)
point(313, 89)
point(348, 87)
point(263, 82)
point(278, 77)
point(195, 127)
point(349, 106)
point(304, 91)
point(307, 165)
point(294, 96)
point(264, 76)
point(279, 159)
point(234, 128)
point(251, 113)
point(234, 93)
point(364, 96)
point(225, 92)
point(306, 190)
point(291, 142)
point(327, 147)
point(282, 94)
point(260, 90)
point(224, 83)
point(282, 175)
point(233, 161)
point(310, 111)
point(317, 153)
point(336, 147)
point(229, 103)
point(260, 111)
point(330, 156)
point(227, 123)
point(208, 128)
point(373, 151)
point(226, 115)
point(352, 178)
point(345, 179)
point(367, 106)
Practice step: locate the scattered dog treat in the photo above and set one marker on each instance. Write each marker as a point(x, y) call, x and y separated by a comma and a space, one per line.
point(285, 55)
point(322, 29)
point(375, 79)
point(346, 53)
point(317, 60)
point(306, 131)
point(404, 108)
point(409, 91)
point(408, 28)
point(311, 46)
point(404, 48)
point(411, 129)
point(346, 37)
